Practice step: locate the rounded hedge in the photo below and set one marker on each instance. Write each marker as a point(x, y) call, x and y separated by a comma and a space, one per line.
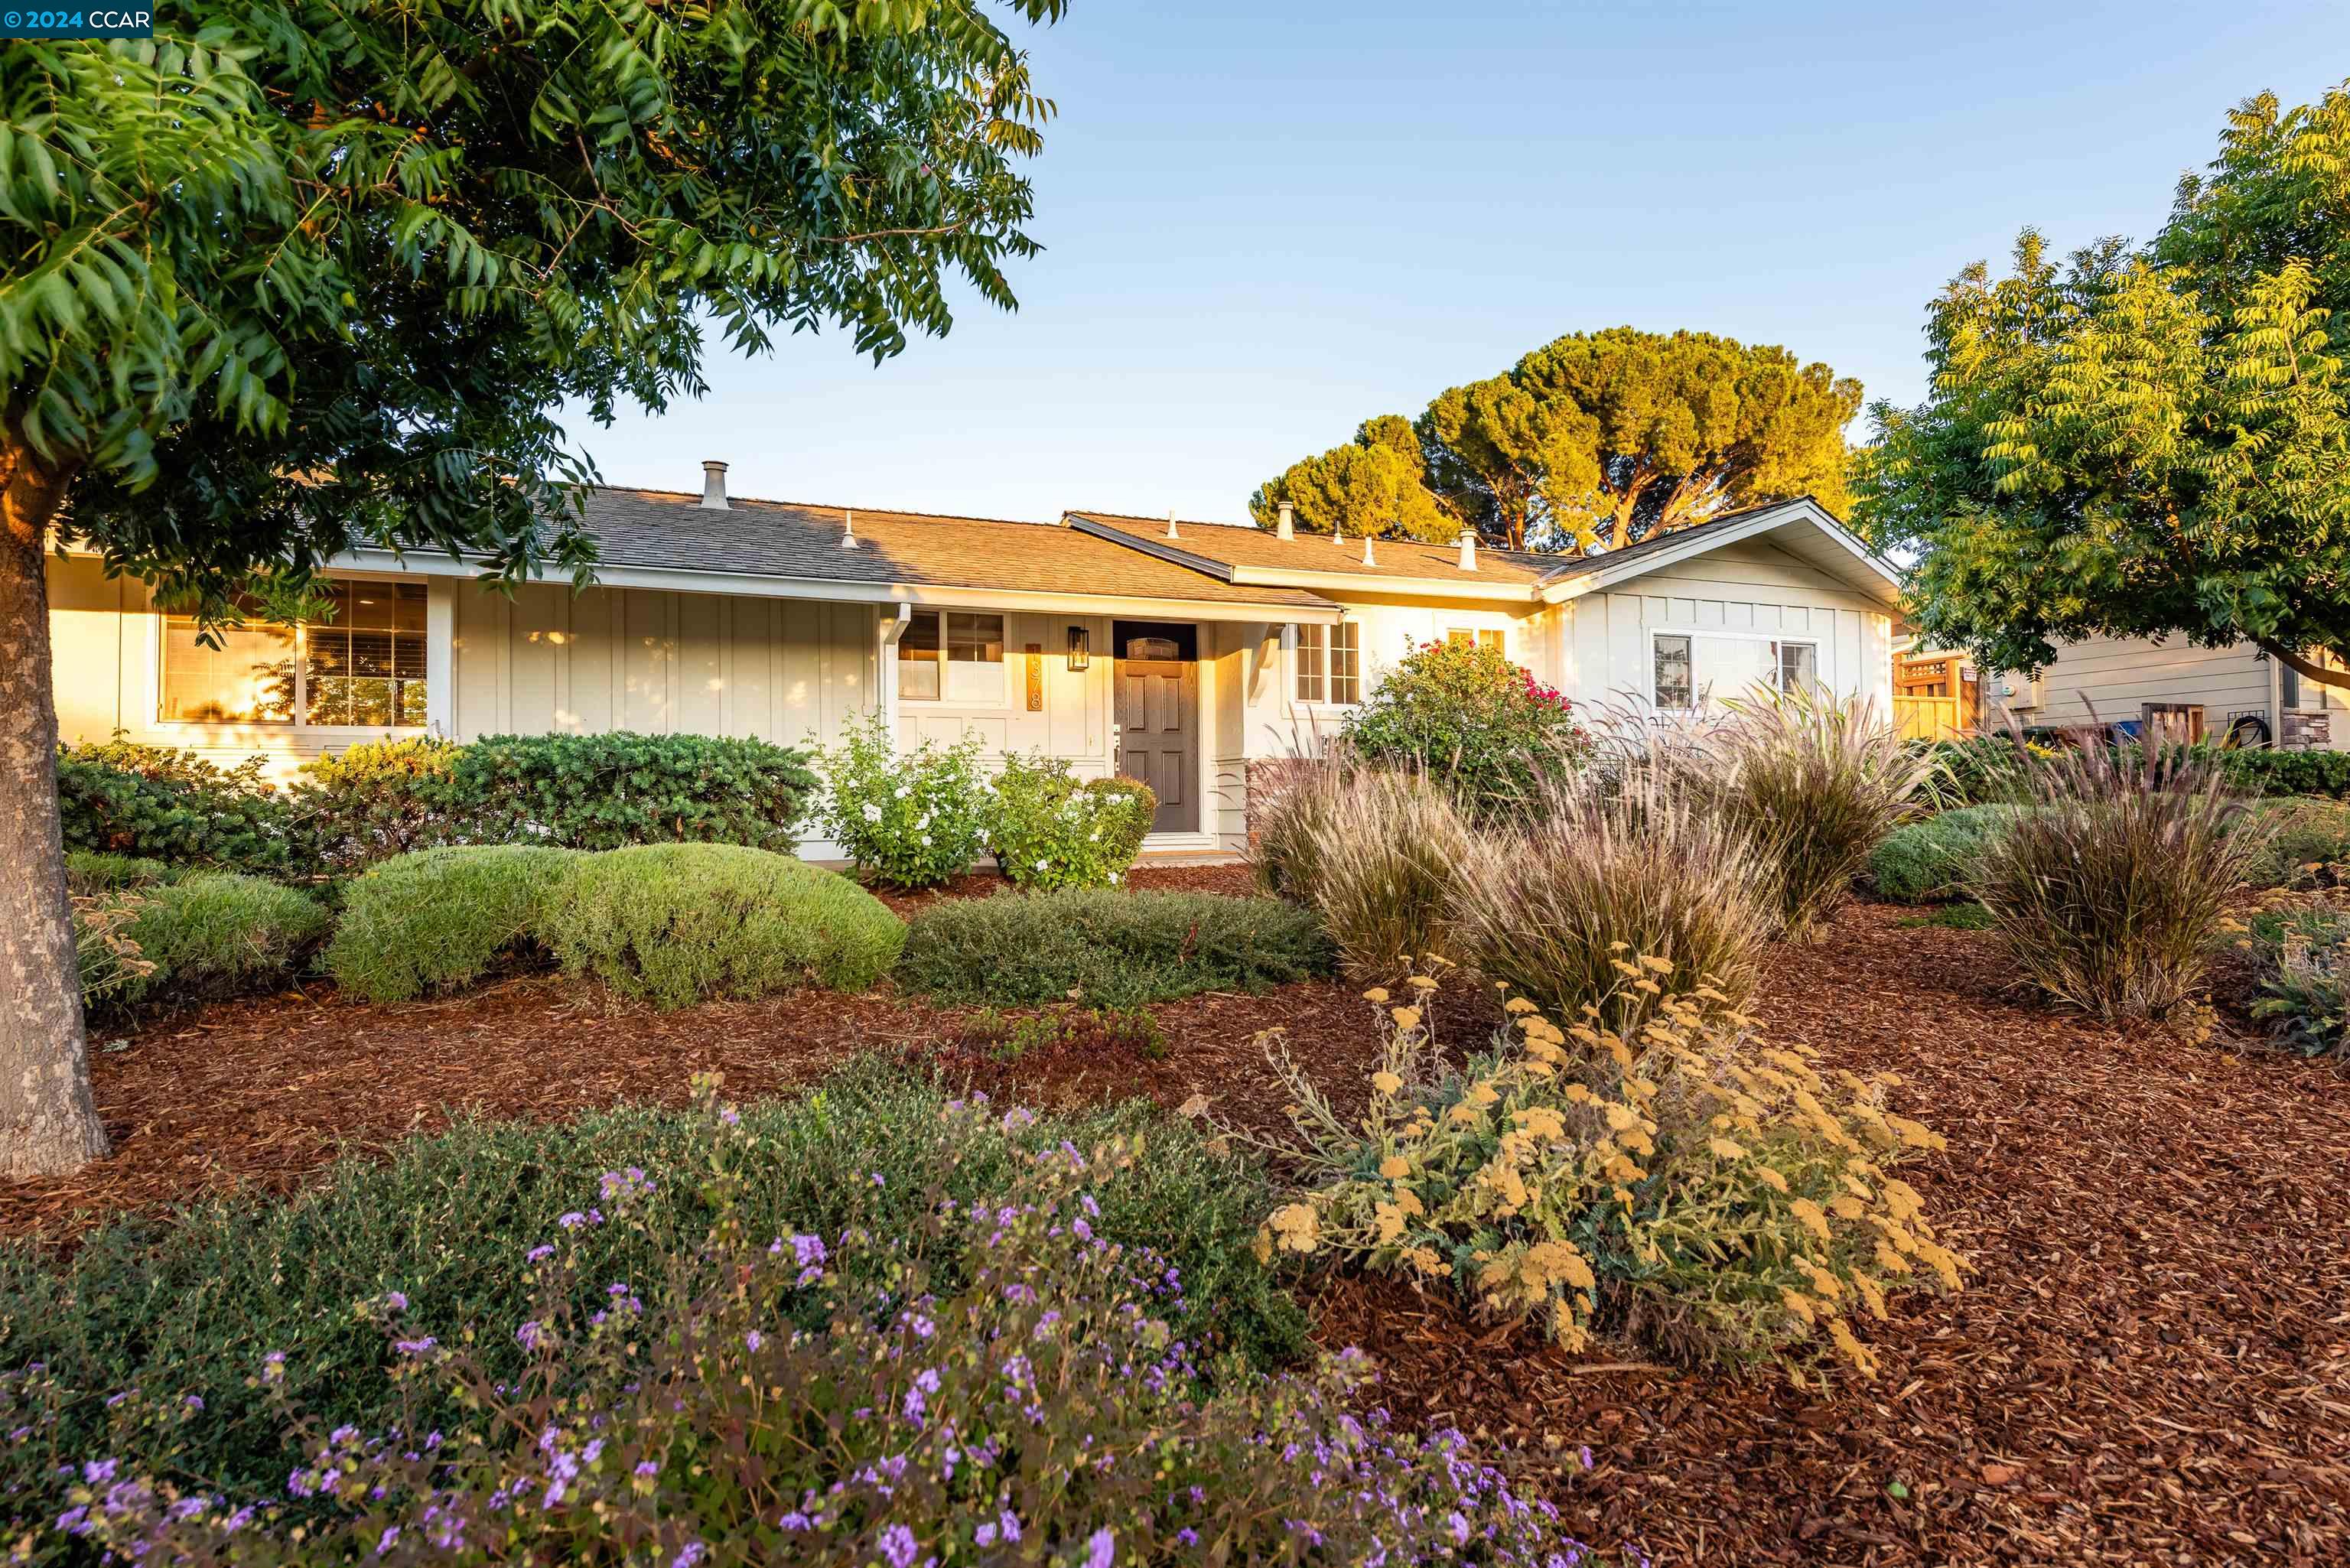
point(219, 933)
point(1933, 858)
point(437, 918)
point(674, 924)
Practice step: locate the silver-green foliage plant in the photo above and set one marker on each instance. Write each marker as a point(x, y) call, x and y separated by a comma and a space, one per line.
point(1047, 828)
point(434, 919)
point(674, 924)
point(905, 818)
point(1923, 861)
point(217, 934)
point(2304, 980)
point(2110, 894)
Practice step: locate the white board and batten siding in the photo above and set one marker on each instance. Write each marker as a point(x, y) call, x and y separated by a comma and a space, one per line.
point(548, 662)
point(1729, 602)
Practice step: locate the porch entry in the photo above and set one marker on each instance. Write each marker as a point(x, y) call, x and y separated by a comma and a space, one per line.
point(1159, 716)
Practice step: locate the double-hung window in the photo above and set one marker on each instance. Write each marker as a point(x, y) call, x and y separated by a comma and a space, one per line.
point(1330, 662)
point(359, 667)
point(1476, 636)
point(952, 656)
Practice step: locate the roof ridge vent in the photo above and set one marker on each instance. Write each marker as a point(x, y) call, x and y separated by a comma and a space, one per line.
point(713, 485)
point(1286, 528)
point(849, 528)
point(1368, 559)
point(1467, 549)
point(1170, 525)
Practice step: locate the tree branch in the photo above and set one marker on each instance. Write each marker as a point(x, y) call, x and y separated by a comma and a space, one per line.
point(2337, 679)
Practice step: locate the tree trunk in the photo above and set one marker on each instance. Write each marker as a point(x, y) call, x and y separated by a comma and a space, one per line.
point(49, 1123)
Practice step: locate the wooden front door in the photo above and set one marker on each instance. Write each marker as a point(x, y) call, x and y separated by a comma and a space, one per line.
point(1158, 716)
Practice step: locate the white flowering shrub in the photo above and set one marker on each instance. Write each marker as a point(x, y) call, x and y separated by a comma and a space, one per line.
point(1050, 829)
point(907, 819)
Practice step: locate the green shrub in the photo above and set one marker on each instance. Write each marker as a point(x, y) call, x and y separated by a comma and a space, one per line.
point(191, 1306)
point(830, 1398)
point(1376, 854)
point(1817, 781)
point(675, 924)
point(1623, 867)
point(911, 819)
point(1934, 859)
point(381, 799)
point(2309, 842)
point(1493, 734)
point(2110, 892)
point(160, 802)
point(88, 871)
point(2263, 771)
point(1669, 1179)
point(434, 919)
point(1049, 829)
point(218, 933)
point(2304, 969)
point(107, 959)
point(1107, 948)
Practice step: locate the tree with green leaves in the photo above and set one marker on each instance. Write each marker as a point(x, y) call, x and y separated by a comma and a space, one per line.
point(296, 277)
point(2145, 441)
point(1375, 485)
point(1595, 441)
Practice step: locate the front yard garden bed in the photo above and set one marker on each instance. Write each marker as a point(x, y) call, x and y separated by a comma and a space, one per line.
point(2151, 1363)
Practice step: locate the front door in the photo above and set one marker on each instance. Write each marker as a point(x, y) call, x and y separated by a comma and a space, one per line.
point(1158, 716)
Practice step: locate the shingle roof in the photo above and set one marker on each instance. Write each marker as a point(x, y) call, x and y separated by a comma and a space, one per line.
point(1220, 545)
point(668, 529)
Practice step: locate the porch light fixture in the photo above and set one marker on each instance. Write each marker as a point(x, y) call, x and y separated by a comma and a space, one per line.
point(1080, 647)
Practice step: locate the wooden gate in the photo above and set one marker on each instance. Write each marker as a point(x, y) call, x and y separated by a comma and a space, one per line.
point(1928, 718)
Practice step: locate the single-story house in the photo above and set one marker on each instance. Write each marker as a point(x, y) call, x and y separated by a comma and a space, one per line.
point(1179, 652)
point(2185, 691)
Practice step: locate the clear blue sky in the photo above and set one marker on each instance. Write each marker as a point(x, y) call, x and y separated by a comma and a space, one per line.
point(1265, 223)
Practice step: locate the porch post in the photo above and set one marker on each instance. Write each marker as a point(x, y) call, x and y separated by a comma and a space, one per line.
point(892, 628)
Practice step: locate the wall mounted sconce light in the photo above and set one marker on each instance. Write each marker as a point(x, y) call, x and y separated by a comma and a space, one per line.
point(1080, 647)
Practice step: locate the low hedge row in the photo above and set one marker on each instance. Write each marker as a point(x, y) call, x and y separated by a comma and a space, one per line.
point(378, 800)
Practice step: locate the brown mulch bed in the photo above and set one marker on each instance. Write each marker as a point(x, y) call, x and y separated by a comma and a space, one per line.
point(2151, 1367)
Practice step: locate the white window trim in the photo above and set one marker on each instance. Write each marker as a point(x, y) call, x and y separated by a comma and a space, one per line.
point(1002, 702)
point(237, 729)
point(1294, 646)
point(1816, 643)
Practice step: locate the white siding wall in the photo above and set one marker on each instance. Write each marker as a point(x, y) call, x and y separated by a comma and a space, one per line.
point(2108, 680)
point(1742, 593)
point(786, 670)
point(1073, 721)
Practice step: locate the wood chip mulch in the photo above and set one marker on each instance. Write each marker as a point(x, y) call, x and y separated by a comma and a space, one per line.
point(2152, 1365)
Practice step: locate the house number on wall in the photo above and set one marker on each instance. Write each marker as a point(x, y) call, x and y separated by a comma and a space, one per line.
point(1035, 677)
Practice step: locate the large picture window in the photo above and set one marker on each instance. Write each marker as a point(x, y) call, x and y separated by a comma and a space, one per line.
point(1330, 662)
point(359, 667)
point(952, 656)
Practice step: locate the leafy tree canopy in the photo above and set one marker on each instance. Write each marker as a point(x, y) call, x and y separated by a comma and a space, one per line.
point(2145, 441)
point(302, 274)
point(1377, 484)
point(297, 276)
point(1601, 439)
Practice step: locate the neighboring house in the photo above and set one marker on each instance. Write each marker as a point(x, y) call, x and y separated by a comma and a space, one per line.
point(2194, 692)
point(1181, 653)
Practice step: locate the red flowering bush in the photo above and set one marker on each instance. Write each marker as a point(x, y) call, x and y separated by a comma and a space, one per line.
point(1491, 733)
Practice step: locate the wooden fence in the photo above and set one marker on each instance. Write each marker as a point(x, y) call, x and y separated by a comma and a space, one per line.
point(1928, 718)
